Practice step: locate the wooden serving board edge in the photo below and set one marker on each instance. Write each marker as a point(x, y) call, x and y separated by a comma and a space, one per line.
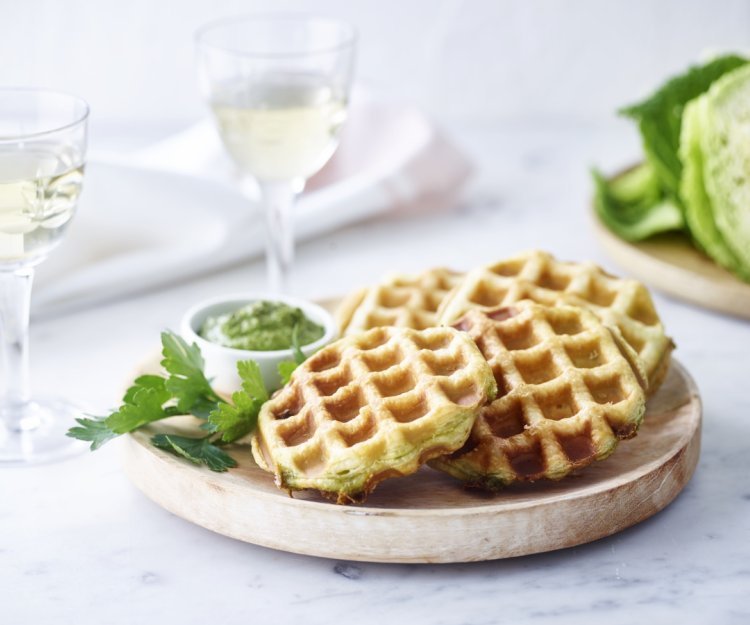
point(431, 535)
point(709, 286)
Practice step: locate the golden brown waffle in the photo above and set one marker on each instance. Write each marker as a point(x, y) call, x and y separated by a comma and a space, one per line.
point(538, 276)
point(407, 301)
point(566, 393)
point(371, 406)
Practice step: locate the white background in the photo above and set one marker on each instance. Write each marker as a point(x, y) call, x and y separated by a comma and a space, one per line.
point(461, 61)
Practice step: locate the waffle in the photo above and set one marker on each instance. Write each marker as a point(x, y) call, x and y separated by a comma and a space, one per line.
point(624, 304)
point(407, 301)
point(567, 392)
point(370, 406)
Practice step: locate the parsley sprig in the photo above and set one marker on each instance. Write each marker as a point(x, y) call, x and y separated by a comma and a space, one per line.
point(186, 390)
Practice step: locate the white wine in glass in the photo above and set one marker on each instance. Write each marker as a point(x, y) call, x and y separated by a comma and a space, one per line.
point(39, 189)
point(42, 153)
point(278, 87)
point(285, 128)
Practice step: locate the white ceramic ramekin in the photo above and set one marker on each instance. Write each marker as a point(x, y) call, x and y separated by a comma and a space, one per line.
point(221, 362)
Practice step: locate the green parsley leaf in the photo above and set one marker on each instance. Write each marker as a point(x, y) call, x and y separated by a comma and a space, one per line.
point(286, 368)
point(234, 421)
point(94, 430)
point(299, 357)
point(155, 382)
point(185, 391)
point(252, 380)
point(146, 406)
point(143, 403)
point(187, 383)
point(197, 450)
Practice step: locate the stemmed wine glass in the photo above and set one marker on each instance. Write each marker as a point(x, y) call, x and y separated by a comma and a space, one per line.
point(278, 86)
point(42, 151)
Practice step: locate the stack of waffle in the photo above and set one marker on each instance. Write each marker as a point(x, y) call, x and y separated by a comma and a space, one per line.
point(523, 370)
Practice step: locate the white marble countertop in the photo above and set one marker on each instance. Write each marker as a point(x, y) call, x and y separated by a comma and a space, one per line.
point(79, 544)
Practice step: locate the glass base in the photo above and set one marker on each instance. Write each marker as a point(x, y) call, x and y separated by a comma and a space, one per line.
point(40, 434)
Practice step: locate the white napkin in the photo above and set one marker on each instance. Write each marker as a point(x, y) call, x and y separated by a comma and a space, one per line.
point(173, 211)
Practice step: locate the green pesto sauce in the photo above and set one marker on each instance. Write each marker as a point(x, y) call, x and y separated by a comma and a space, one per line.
point(261, 326)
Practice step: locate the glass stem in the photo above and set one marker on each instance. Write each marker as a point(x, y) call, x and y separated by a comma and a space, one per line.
point(15, 300)
point(278, 200)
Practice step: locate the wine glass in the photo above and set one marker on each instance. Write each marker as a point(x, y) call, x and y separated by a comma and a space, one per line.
point(42, 151)
point(278, 86)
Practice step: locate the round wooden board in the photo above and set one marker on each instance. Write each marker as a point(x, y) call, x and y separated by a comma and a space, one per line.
point(428, 516)
point(671, 264)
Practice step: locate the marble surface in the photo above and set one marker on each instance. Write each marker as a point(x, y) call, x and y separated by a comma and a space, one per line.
point(79, 544)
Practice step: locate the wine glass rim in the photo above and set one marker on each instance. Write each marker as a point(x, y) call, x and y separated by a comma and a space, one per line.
point(86, 109)
point(348, 41)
